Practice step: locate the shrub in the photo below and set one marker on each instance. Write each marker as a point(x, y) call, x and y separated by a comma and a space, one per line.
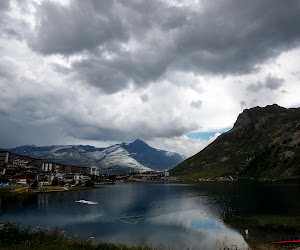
point(34, 185)
point(89, 184)
point(55, 182)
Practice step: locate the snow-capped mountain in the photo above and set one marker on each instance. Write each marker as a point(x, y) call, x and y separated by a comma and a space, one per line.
point(119, 158)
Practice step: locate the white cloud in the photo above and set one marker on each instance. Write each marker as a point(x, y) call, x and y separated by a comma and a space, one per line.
point(182, 144)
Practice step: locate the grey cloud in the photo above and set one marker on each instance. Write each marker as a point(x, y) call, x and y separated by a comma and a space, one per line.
point(24, 134)
point(228, 37)
point(254, 87)
point(100, 74)
point(10, 27)
point(43, 115)
point(243, 105)
point(253, 103)
point(196, 104)
point(6, 69)
point(61, 69)
point(144, 98)
point(79, 26)
point(114, 75)
point(140, 130)
point(4, 5)
point(271, 82)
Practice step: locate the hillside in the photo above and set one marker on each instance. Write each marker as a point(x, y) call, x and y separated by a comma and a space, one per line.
point(119, 158)
point(263, 143)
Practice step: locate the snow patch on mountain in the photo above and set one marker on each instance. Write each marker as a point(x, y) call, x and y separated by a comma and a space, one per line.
point(116, 156)
point(170, 153)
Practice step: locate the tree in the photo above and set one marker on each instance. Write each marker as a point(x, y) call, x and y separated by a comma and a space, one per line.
point(55, 182)
point(34, 185)
point(89, 183)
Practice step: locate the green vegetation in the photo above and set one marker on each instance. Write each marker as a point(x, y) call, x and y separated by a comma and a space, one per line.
point(13, 236)
point(263, 144)
point(89, 184)
point(286, 225)
point(3, 179)
point(79, 188)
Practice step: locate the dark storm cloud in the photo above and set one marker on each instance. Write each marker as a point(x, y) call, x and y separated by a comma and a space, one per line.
point(82, 25)
point(223, 37)
point(141, 130)
point(114, 44)
point(271, 82)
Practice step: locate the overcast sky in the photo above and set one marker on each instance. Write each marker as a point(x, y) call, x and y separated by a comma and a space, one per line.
point(173, 73)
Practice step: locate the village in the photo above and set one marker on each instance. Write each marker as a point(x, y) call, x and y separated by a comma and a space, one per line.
point(24, 170)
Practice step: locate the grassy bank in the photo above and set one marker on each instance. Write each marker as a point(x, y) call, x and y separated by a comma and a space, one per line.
point(275, 225)
point(14, 237)
point(268, 230)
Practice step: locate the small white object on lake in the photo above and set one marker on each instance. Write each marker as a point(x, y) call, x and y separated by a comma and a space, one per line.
point(87, 202)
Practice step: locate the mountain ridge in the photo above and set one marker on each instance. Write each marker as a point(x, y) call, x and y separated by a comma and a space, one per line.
point(263, 143)
point(118, 158)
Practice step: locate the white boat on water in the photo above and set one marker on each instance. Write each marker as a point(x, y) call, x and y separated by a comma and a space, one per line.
point(87, 202)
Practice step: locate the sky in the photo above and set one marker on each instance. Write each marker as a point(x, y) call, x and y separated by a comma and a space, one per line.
point(175, 74)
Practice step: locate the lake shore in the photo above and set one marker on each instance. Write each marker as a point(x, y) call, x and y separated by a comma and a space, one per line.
point(26, 190)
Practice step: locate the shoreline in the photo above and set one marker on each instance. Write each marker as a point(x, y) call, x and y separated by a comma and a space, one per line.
point(292, 180)
point(25, 190)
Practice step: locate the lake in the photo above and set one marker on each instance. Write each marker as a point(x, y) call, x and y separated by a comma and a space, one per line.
point(161, 214)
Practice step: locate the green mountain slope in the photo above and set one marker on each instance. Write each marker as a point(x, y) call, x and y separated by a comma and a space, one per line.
point(263, 143)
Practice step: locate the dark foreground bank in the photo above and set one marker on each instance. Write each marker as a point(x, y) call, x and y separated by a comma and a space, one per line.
point(14, 236)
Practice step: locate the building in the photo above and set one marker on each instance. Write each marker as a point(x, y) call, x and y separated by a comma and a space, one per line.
point(81, 178)
point(21, 163)
point(93, 171)
point(4, 155)
point(23, 178)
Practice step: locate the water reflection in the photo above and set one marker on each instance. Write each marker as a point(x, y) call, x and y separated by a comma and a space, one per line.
point(172, 215)
point(43, 200)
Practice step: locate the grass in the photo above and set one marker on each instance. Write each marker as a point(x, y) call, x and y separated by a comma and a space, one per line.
point(285, 225)
point(280, 224)
point(13, 236)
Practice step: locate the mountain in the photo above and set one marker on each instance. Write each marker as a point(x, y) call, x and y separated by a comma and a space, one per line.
point(119, 158)
point(263, 143)
point(151, 157)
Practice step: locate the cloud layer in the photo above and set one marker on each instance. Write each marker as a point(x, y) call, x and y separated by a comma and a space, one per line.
point(109, 71)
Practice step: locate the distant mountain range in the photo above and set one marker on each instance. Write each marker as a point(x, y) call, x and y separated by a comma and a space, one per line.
point(263, 143)
point(119, 158)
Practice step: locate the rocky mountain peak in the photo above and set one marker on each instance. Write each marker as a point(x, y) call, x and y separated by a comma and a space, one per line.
point(264, 143)
point(257, 114)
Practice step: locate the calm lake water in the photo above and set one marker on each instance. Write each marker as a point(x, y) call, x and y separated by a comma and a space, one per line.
point(172, 215)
